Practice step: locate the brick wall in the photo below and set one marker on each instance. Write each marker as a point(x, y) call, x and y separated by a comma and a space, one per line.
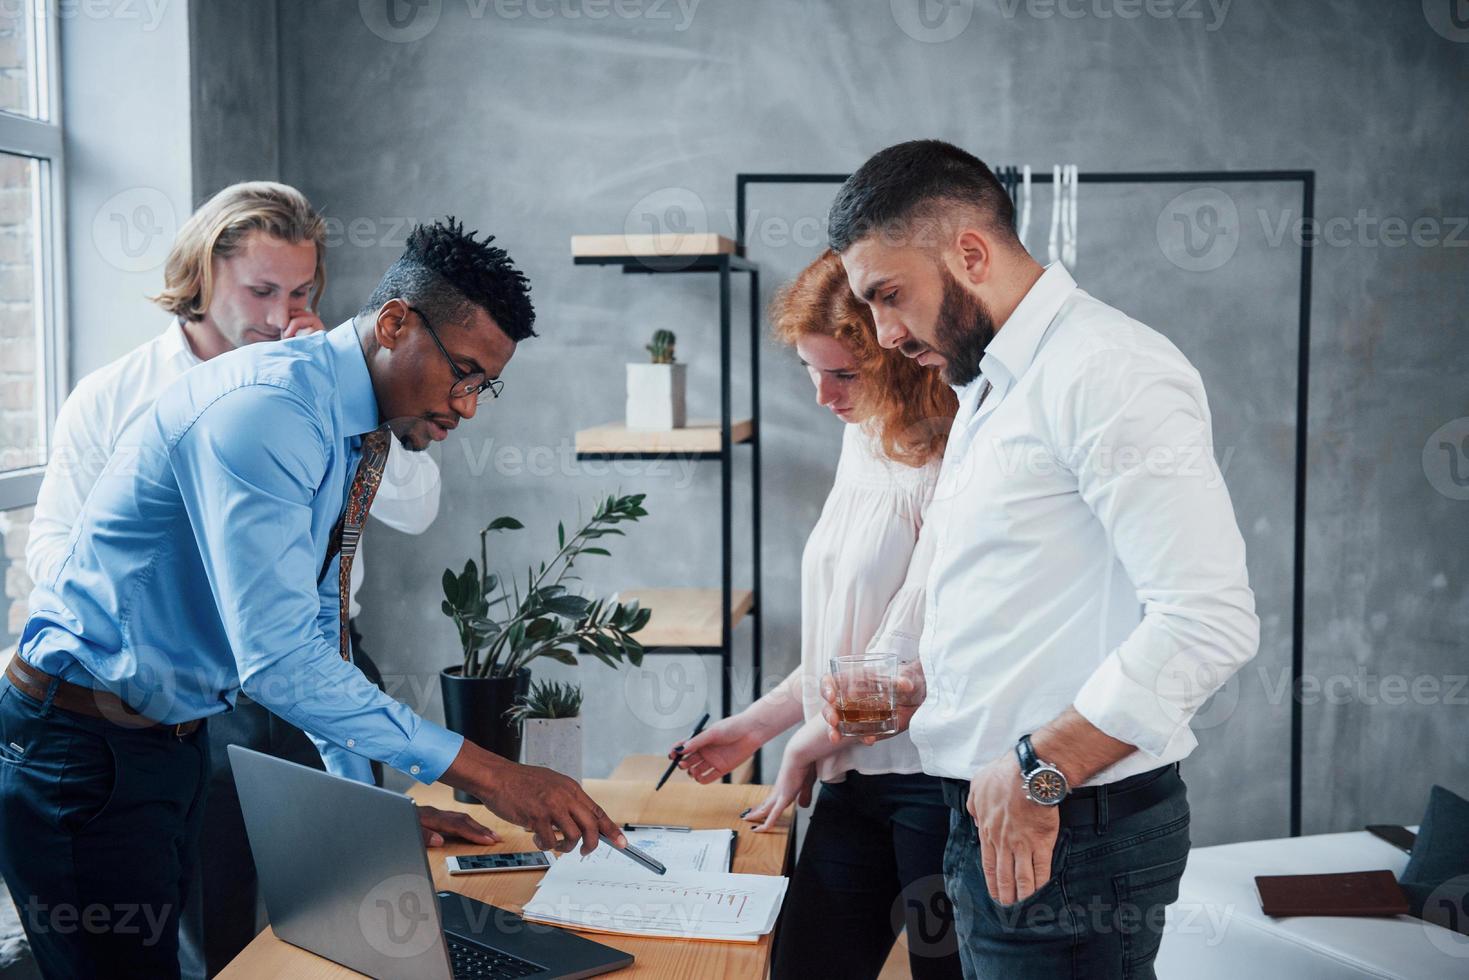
point(21, 441)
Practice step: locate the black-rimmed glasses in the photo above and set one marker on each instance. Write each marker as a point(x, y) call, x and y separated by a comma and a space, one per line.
point(476, 384)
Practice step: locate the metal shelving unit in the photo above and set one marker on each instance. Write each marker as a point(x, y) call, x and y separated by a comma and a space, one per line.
point(701, 621)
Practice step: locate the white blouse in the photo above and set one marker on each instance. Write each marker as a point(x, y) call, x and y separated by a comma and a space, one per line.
point(862, 584)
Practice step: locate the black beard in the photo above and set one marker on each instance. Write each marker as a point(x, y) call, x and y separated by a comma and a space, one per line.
point(965, 328)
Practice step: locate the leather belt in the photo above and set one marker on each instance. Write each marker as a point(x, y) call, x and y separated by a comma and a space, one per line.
point(86, 701)
point(1090, 805)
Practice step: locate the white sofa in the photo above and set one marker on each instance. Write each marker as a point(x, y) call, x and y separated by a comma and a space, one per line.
point(1216, 931)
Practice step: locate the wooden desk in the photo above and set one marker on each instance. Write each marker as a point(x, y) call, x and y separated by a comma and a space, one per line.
point(680, 802)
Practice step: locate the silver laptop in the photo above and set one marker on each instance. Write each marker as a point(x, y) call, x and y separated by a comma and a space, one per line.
point(344, 874)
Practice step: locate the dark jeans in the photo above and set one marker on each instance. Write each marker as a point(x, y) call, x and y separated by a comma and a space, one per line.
point(219, 920)
point(1101, 913)
point(871, 865)
point(98, 827)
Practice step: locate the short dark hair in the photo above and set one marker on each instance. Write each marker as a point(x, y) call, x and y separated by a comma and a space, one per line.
point(911, 181)
point(445, 272)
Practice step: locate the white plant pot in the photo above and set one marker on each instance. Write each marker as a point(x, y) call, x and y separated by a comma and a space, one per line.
point(656, 396)
point(554, 743)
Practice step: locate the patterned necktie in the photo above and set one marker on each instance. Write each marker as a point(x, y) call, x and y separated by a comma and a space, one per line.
point(348, 531)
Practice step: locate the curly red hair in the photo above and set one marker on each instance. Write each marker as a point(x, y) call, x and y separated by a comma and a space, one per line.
point(908, 408)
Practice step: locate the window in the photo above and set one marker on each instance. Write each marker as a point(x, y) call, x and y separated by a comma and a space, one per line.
point(32, 344)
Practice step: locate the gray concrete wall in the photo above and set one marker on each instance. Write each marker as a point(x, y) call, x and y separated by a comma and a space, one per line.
point(537, 121)
point(235, 108)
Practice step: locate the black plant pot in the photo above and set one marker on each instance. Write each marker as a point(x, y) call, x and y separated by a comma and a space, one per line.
point(475, 708)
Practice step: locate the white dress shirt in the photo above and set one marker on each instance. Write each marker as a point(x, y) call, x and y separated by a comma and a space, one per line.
point(862, 576)
point(1086, 550)
point(105, 402)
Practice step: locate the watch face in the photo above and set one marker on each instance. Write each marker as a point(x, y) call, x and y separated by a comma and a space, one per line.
point(1047, 787)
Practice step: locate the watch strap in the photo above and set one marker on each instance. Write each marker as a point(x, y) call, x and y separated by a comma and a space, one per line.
point(1025, 752)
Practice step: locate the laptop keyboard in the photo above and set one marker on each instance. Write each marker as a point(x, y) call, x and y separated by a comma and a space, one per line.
point(472, 962)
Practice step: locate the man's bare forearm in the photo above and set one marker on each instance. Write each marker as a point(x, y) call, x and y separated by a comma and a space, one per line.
point(1077, 747)
point(470, 769)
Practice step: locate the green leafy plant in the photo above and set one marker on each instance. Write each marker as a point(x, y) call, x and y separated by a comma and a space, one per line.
point(549, 699)
point(502, 627)
point(662, 346)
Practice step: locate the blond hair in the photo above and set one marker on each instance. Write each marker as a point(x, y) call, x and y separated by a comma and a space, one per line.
point(219, 228)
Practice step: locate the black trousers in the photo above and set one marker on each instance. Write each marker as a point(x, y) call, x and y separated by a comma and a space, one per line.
point(219, 919)
point(872, 865)
point(98, 833)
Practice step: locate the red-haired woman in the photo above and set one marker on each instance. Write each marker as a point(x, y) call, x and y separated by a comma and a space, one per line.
point(872, 860)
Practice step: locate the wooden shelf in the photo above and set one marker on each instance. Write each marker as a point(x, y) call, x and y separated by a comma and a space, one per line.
point(650, 246)
point(687, 617)
point(700, 438)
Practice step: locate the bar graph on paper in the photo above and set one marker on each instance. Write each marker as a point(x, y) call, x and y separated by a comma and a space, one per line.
point(657, 900)
point(688, 905)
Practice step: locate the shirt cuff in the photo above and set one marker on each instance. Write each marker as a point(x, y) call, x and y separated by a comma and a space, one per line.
point(429, 753)
point(348, 765)
point(1128, 711)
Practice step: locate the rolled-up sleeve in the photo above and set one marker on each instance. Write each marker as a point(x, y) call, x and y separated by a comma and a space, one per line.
point(249, 503)
point(1135, 430)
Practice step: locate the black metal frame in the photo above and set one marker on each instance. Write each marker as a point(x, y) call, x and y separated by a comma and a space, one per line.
point(725, 266)
point(1307, 180)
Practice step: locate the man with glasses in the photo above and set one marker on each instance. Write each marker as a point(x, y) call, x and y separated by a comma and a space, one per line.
point(216, 562)
point(249, 266)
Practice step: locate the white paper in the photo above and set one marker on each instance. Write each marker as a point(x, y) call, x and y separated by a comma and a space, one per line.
point(683, 905)
point(696, 850)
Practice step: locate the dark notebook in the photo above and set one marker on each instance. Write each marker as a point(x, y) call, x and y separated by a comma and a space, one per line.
point(1351, 893)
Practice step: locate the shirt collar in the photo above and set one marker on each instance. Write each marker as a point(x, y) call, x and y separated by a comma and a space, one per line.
point(354, 384)
point(1009, 355)
point(176, 344)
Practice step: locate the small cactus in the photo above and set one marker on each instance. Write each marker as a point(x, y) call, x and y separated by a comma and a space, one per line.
point(662, 347)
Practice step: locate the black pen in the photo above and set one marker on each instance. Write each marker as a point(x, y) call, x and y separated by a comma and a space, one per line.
point(657, 826)
point(674, 764)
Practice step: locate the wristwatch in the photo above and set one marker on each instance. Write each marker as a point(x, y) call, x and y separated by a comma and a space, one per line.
point(1043, 782)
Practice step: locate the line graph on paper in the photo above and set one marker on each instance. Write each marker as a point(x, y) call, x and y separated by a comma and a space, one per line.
point(658, 900)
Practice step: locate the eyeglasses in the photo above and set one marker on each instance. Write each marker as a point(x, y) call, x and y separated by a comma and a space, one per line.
point(465, 385)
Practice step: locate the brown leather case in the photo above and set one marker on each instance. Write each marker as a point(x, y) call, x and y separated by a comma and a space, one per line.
point(1350, 893)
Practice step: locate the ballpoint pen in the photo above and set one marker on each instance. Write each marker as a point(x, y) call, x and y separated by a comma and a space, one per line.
point(674, 764)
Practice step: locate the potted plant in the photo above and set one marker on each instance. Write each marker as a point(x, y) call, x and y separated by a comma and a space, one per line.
point(656, 391)
point(551, 715)
point(506, 623)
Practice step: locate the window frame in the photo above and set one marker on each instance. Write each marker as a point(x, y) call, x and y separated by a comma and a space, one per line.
point(41, 139)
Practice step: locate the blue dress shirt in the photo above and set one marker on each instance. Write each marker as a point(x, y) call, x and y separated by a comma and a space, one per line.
point(192, 572)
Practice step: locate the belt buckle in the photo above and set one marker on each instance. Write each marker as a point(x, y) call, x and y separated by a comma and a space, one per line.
point(178, 730)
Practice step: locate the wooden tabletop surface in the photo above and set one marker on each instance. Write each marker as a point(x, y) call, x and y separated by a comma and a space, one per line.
point(680, 802)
